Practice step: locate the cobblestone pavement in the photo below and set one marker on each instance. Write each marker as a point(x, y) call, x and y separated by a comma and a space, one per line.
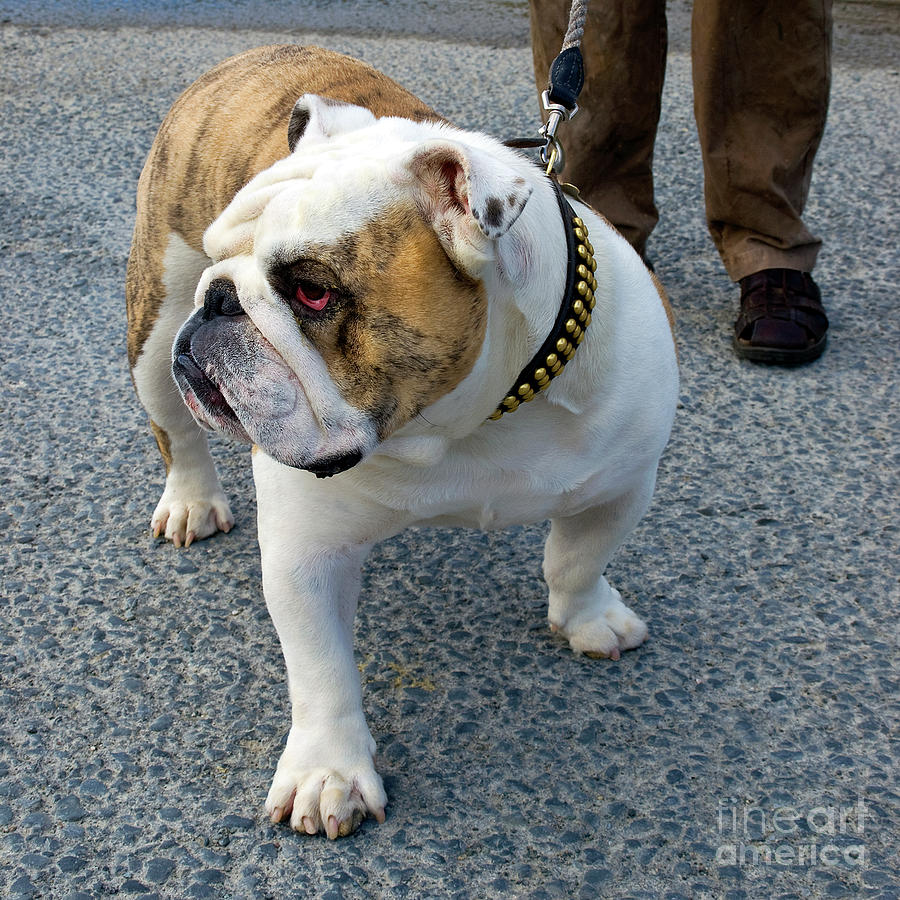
point(749, 749)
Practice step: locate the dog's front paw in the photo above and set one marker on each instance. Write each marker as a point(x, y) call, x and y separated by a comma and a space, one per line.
point(333, 795)
point(603, 627)
point(189, 512)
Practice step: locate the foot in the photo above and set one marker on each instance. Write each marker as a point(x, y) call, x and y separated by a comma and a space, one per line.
point(191, 509)
point(325, 785)
point(782, 320)
point(602, 628)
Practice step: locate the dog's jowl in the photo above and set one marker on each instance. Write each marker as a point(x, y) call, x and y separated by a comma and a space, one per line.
point(409, 324)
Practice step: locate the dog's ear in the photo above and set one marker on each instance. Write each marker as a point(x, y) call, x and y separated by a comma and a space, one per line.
point(466, 194)
point(314, 117)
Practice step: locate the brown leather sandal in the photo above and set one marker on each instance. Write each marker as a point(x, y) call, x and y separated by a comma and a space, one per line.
point(782, 320)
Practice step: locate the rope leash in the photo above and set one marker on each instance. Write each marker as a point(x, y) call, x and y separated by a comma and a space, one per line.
point(560, 100)
point(577, 17)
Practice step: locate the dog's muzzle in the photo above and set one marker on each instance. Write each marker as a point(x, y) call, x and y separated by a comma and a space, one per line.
point(220, 354)
point(201, 395)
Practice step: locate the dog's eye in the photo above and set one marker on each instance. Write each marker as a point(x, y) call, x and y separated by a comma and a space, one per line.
point(313, 295)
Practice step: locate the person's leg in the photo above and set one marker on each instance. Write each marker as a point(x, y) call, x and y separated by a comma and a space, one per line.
point(609, 143)
point(762, 73)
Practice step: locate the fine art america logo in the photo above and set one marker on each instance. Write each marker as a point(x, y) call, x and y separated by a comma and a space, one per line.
point(786, 836)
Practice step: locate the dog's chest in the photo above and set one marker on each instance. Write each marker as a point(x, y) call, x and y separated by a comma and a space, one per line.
point(538, 468)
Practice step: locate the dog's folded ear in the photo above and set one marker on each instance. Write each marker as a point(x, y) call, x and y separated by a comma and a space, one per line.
point(317, 118)
point(466, 194)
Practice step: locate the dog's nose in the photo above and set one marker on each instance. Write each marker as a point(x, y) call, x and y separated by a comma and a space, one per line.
point(221, 300)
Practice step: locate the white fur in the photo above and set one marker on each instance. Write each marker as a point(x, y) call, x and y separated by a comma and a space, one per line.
point(583, 454)
point(193, 505)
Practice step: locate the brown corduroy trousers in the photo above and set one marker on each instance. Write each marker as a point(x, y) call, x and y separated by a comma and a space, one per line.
point(762, 75)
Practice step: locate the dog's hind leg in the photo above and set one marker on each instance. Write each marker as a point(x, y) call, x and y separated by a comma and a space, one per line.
point(160, 295)
point(584, 607)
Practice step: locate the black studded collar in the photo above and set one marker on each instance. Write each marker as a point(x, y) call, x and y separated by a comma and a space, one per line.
point(571, 322)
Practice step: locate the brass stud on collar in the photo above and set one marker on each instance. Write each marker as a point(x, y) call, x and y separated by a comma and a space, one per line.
point(534, 380)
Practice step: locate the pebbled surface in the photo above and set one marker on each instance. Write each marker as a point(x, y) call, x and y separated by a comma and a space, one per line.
point(142, 703)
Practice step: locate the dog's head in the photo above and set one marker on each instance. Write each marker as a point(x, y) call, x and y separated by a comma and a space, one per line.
point(347, 288)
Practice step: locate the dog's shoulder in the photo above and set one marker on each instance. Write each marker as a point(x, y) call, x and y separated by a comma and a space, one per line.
point(657, 284)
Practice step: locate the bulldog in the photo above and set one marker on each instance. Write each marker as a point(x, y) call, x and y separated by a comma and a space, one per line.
point(409, 324)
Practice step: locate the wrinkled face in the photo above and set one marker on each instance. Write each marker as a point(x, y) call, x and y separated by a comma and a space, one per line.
point(344, 297)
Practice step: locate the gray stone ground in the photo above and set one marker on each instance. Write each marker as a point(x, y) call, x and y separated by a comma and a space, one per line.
point(142, 704)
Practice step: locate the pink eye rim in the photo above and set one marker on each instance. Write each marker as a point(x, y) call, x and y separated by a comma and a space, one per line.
point(313, 296)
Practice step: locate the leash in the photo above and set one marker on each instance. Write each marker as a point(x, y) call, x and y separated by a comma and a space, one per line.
point(560, 100)
point(561, 103)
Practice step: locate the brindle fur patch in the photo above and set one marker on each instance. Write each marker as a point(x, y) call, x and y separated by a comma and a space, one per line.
point(410, 329)
point(667, 306)
point(165, 446)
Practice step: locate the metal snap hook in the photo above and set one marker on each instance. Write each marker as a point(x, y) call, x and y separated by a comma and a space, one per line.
point(553, 155)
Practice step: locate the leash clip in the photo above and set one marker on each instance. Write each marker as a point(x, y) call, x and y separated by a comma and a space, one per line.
point(552, 154)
